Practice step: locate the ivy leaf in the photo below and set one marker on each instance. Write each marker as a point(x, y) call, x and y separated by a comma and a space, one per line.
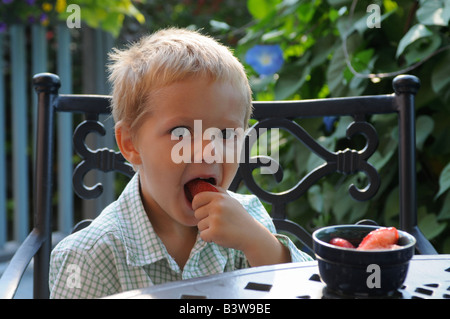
point(335, 74)
point(445, 211)
point(290, 84)
point(417, 32)
point(260, 9)
point(434, 12)
point(424, 125)
point(444, 180)
point(315, 198)
point(392, 208)
point(440, 81)
point(428, 224)
point(339, 3)
point(362, 60)
point(359, 211)
point(422, 48)
point(219, 25)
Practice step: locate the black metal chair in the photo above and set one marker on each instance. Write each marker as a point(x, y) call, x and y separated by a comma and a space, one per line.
point(278, 114)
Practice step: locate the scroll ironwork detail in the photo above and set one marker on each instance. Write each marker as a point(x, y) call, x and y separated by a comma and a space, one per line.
point(104, 159)
point(347, 161)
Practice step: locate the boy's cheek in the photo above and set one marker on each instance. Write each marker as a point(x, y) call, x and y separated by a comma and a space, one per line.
point(230, 170)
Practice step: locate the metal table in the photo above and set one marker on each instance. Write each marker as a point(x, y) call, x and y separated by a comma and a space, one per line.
point(428, 278)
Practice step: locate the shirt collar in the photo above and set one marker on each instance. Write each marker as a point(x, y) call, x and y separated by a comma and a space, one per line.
point(142, 244)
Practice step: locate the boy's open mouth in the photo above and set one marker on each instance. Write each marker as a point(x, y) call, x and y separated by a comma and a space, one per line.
point(197, 185)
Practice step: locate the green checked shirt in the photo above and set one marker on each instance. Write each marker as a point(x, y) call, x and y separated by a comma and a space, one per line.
point(120, 251)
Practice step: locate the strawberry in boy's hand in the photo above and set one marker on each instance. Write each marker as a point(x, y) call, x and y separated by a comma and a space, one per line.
point(197, 186)
point(381, 238)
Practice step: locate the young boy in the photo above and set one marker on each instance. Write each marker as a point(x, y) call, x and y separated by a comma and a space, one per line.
point(154, 233)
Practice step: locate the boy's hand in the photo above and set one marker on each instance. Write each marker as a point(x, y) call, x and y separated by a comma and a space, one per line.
point(223, 220)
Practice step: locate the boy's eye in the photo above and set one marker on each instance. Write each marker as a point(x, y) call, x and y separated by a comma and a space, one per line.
point(180, 132)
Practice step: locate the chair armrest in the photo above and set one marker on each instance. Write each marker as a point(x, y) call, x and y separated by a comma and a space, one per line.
point(18, 264)
point(423, 246)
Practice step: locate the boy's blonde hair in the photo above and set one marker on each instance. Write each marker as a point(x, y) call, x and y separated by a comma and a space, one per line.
point(166, 57)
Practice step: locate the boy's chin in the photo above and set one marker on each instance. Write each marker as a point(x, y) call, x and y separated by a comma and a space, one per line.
point(189, 217)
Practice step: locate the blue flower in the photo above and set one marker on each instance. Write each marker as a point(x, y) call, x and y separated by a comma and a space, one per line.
point(265, 59)
point(328, 121)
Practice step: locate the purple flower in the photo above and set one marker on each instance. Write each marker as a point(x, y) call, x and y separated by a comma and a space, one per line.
point(31, 19)
point(31, 2)
point(3, 27)
point(265, 59)
point(43, 17)
point(7, 1)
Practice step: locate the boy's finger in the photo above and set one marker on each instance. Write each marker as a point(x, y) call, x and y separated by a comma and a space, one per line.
point(203, 225)
point(203, 198)
point(199, 200)
point(201, 213)
point(205, 235)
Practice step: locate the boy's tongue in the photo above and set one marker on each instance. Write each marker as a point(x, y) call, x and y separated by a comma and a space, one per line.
point(196, 186)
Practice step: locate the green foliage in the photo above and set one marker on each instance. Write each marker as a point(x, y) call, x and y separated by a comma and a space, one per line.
point(332, 49)
point(105, 14)
point(223, 19)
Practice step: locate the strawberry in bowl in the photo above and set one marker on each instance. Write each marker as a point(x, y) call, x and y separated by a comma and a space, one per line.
point(380, 238)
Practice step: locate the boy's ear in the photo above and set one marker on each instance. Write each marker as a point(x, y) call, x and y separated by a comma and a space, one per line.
point(124, 140)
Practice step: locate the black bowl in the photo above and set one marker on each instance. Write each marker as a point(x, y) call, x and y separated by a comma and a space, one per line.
point(347, 271)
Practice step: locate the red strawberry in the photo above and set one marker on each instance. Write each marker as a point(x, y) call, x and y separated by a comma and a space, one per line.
point(341, 242)
point(197, 186)
point(381, 238)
